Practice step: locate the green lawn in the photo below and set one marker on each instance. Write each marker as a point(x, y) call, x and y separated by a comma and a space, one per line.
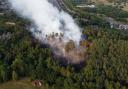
point(21, 84)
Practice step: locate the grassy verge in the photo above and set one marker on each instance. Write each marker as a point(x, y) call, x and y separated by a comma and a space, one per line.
point(20, 84)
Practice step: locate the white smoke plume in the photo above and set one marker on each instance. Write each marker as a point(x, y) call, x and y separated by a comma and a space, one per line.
point(47, 19)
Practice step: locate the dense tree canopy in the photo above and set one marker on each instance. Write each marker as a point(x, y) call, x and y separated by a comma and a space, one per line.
point(106, 66)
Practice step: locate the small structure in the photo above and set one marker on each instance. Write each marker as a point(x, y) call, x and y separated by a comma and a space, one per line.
point(123, 27)
point(10, 23)
point(86, 6)
point(37, 83)
point(116, 24)
point(1, 14)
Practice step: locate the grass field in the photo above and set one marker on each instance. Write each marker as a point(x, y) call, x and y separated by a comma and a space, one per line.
point(126, 7)
point(105, 2)
point(101, 2)
point(21, 84)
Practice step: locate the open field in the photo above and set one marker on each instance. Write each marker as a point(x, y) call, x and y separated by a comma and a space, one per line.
point(105, 2)
point(101, 2)
point(20, 84)
point(126, 7)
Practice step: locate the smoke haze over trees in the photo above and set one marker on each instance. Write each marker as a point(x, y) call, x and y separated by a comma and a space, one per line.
point(105, 65)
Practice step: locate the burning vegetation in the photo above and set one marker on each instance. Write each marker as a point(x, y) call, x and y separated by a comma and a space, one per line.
point(53, 27)
point(71, 52)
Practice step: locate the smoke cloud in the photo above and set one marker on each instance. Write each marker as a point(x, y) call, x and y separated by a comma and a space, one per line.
point(47, 19)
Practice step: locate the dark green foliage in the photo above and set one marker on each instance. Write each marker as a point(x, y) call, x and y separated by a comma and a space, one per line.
point(106, 66)
point(112, 11)
point(14, 75)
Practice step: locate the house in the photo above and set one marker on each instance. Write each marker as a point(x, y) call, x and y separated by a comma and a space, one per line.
point(123, 27)
point(1, 14)
point(10, 23)
point(116, 24)
point(86, 6)
point(37, 83)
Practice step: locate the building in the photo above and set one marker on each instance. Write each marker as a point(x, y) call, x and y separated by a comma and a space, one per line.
point(1, 14)
point(86, 6)
point(37, 83)
point(10, 23)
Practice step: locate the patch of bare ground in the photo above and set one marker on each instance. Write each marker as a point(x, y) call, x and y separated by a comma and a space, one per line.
point(68, 52)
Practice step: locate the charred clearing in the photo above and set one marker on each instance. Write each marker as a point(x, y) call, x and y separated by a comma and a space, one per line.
point(68, 52)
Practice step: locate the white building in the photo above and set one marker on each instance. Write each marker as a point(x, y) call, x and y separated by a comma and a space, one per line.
point(86, 6)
